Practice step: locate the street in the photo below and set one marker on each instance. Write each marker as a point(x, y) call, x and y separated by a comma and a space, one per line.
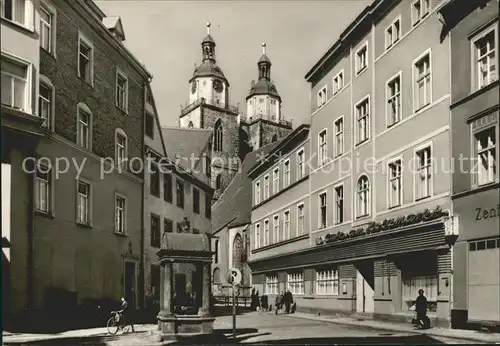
point(258, 328)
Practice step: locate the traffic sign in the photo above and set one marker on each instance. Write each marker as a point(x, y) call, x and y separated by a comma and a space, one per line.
point(234, 276)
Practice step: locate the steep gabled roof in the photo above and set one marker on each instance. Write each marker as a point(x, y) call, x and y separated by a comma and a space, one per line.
point(183, 144)
point(114, 23)
point(234, 206)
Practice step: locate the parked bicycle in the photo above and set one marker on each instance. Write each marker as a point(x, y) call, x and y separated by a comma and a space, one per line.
point(117, 323)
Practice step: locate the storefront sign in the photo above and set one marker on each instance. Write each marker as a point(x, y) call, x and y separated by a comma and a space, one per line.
point(387, 224)
point(485, 214)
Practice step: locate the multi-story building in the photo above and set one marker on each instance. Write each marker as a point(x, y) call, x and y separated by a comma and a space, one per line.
point(473, 30)
point(280, 220)
point(87, 238)
point(177, 197)
point(21, 130)
point(379, 179)
point(233, 137)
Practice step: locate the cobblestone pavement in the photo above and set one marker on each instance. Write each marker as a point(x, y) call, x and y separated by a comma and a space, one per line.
point(251, 328)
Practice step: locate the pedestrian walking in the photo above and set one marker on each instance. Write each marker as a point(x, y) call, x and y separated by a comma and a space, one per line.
point(421, 310)
point(278, 302)
point(288, 301)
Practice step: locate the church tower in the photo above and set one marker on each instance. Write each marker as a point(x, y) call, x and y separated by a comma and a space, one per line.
point(209, 108)
point(266, 123)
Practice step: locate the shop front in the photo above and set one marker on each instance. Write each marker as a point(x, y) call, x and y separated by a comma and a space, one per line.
point(375, 271)
point(476, 259)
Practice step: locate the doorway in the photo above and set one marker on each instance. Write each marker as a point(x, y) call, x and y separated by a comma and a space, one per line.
point(365, 283)
point(129, 284)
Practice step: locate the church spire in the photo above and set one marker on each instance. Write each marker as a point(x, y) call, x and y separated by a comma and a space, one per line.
point(208, 46)
point(264, 64)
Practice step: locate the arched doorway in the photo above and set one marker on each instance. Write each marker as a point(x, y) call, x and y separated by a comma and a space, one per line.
point(216, 276)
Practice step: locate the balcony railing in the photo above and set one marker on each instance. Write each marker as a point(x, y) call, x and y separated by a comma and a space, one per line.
point(273, 119)
point(189, 107)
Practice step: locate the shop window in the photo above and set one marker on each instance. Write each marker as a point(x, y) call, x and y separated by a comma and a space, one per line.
point(487, 244)
point(327, 282)
point(295, 283)
point(272, 284)
point(419, 271)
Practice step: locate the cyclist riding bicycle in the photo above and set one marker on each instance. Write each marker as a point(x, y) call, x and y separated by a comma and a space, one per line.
point(125, 314)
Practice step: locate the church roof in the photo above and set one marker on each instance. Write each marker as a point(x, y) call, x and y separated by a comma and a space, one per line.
point(234, 206)
point(263, 87)
point(185, 143)
point(208, 68)
point(208, 39)
point(264, 58)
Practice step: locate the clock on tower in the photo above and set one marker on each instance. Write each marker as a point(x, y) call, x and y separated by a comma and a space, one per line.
point(218, 86)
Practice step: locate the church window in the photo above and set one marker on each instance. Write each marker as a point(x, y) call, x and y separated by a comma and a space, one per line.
point(218, 182)
point(218, 136)
point(190, 125)
point(275, 138)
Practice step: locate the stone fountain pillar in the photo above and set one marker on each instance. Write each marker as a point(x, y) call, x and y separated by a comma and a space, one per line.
point(184, 248)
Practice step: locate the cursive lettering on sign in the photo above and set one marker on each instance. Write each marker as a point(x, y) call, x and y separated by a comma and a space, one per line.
point(485, 214)
point(387, 224)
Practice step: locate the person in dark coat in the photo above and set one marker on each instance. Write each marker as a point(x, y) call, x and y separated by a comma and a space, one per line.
point(278, 302)
point(253, 304)
point(288, 301)
point(421, 310)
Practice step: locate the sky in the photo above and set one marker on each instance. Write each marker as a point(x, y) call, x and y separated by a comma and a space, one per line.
point(166, 36)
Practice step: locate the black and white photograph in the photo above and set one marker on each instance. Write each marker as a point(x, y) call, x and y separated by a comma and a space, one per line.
point(266, 172)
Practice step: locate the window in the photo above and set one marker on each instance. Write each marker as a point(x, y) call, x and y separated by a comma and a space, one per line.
point(16, 11)
point(257, 192)
point(300, 219)
point(154, 180)
point(339, 204)
point(276, 180)
point(120, 214)
point(266, 187)
point(208, 206)
point(295, 283)
point(272, 284)
point(85, 60)
point(362, 59)
point(167, 188)
point(15, 84)
point(84, 128)
point(327, 282)
point(339, 136)
point(393, 109)
point(121, 148)
point(179, 188)
point(276, 229)
point(286, 173)
point(420, 10)
point(149, 126)
point(363, 120)
point(42, 189)
point(168, 226)
point(321, 97)
point(83, 203)
point(218, 136)
point(322, 158)
point(121, 91)
point(257, 236)
point(286, 231)
point(338, 82)
point(218, 182)
point(45, 105)
point(301, 171)
point(395, 184)
point(46, 29)
point(485, 57)
point(266, 233)
point(196, 200)
point(424, 173)
point(155, 231)
point(393, 33)
point(411, 285)
point(422, 72)
point(216, 250)
point(363, 192)
point(486, 156)
point(322, 210)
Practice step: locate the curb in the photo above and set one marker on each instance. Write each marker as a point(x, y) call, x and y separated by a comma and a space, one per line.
point(32, 340)
point(395, 329)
